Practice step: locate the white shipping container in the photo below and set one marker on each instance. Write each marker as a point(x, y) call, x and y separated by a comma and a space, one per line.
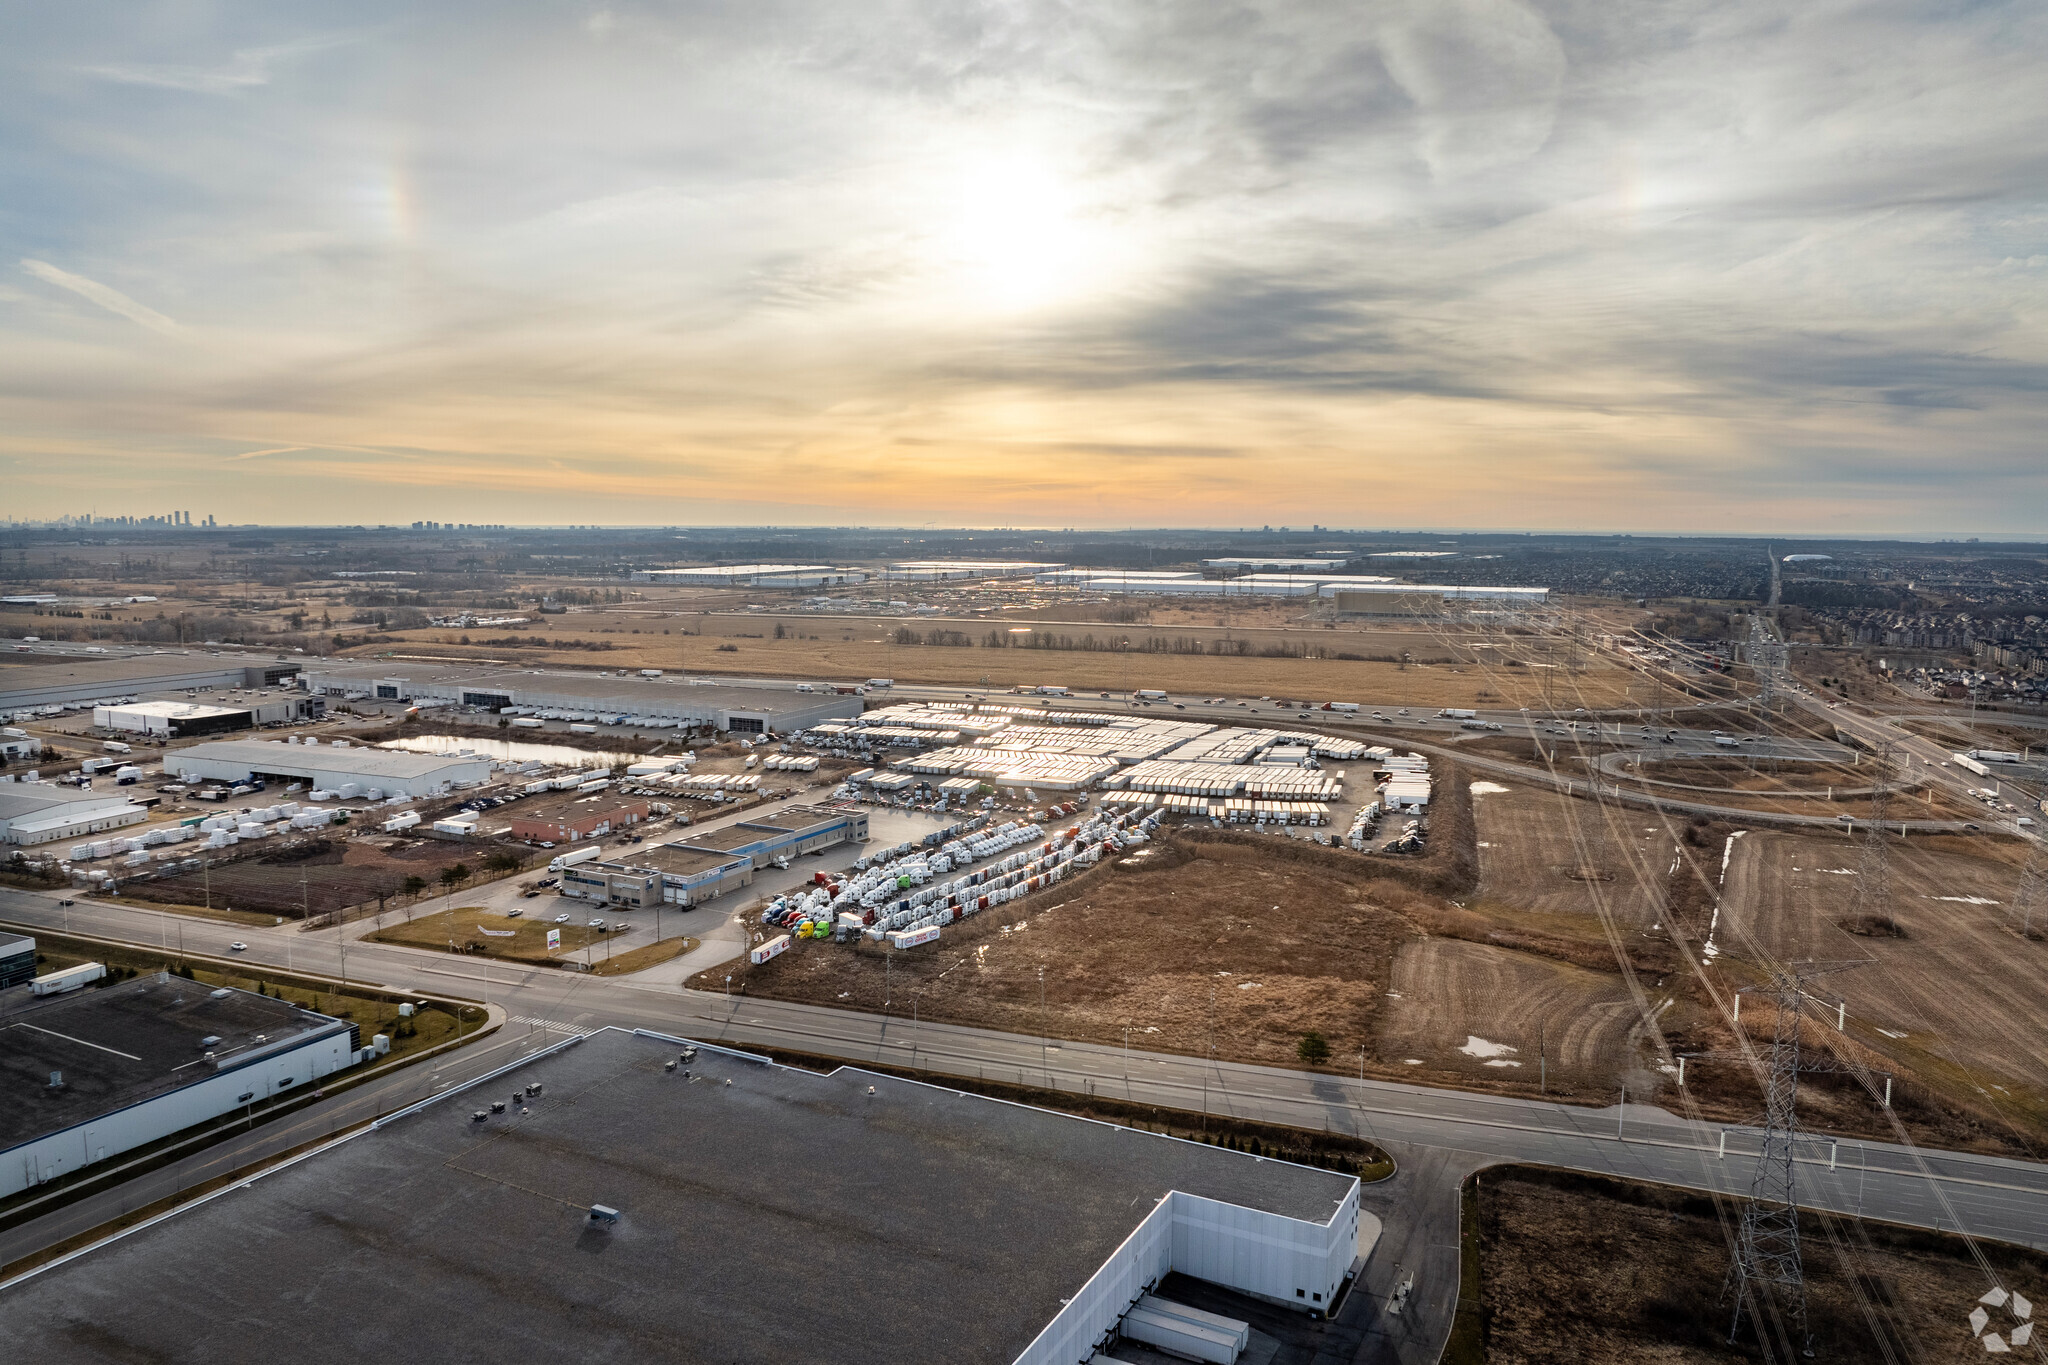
point(774, 947)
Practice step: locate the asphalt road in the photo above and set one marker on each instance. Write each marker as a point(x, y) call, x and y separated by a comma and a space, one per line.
point(1437, 1135)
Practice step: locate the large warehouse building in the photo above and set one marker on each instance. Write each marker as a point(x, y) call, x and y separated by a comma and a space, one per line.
point(49, 676)
point(332, 767)
point(189, 719)
point(754, 576)
point(89, 1075)
point(632, 698)
point(42, 812)
point(630, 1211)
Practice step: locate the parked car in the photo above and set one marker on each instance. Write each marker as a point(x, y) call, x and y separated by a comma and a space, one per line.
point(514, 913)
point(597, 924)
point(561, 919)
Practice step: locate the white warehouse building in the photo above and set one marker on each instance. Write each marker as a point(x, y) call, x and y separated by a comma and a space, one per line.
point(331, 766)
point(41, 812)
point(101, 1071)
point(753, 576)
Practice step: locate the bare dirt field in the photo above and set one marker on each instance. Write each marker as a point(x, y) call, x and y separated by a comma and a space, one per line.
point(336, 874)
point(1550, 854)
point(1482, 1012)
point(1166, 942)
point(1580, 1270)
point(1952, 996)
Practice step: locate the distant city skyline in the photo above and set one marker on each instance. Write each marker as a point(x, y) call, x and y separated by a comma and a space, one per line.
point(1489, 264)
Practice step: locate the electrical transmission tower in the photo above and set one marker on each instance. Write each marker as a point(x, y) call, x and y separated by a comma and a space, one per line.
point(1874, 874)
point(1768, 1278)
point(2031, 898)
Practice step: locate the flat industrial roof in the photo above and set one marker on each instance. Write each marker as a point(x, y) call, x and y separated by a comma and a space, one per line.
point(627, 690)
point(20, 799)
point(275, 756)
point(676, 859)
point(785, 1216)
point(120, 1044)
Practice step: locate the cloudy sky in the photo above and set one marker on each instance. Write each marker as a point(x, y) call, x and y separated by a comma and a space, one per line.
point(1697, 264)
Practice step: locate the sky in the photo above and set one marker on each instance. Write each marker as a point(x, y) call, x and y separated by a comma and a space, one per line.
point(1667, 265)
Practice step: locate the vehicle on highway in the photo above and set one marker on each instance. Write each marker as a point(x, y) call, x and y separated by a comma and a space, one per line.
point(238, 947)
point(1973, 829)
point(1846, 819)
point(67, 902)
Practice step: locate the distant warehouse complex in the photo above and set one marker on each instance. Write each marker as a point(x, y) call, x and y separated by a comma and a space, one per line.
point(35, 679)
point(631, 1208)
point(620, 699)
point(691, 871)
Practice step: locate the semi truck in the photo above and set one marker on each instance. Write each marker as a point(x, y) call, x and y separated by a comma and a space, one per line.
point(1453, 713)
point(1149, 694)
point(1995, 755)
point(1340, 706)
point(574, 857)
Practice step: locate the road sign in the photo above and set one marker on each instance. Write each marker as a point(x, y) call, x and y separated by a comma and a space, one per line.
point(554, 939)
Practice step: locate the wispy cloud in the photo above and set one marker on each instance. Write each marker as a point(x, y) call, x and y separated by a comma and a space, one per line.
point(247, 68)
point(107, 297)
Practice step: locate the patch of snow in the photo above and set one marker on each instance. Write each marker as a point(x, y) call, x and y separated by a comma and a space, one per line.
point(1502, 1062)
point(1964, 900)
point(1475, 1046)
point(1249, 986)
point(1411, 1061)
point(1489, 789)
point(1836, 871)
point(1889, 1034)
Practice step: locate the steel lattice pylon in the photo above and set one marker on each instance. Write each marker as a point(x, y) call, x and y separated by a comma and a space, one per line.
point(1874, 873)
point(2027, 900)
point(1768, 1278)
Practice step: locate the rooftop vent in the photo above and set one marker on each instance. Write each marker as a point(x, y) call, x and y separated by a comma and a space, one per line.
point(210, 1040)
point(221, 994)
point(600, 1213)
point(56, 1080)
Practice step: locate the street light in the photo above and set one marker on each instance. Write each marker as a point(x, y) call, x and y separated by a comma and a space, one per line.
point(1044, 1059)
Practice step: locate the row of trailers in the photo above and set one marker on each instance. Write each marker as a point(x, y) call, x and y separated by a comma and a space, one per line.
point(1235, 810)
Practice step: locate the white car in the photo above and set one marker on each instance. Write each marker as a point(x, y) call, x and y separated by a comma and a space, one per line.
point(561, 919)
point(595, 924)
point(238, 947)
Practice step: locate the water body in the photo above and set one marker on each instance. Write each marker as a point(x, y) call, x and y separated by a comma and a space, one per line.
point(513, 751)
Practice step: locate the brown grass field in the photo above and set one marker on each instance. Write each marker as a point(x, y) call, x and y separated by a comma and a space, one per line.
point(1582, 1270)
point(851, 649)
point(1961, 987)
point(464, 924)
